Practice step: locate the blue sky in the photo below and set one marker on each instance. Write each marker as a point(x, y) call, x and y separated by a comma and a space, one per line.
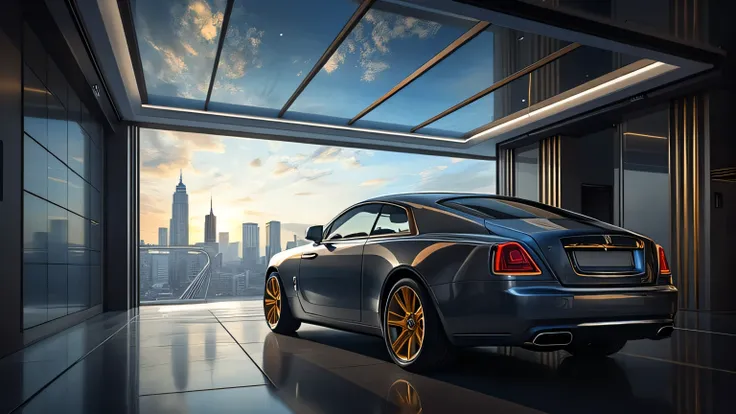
point(298, 184)
point(271, 45)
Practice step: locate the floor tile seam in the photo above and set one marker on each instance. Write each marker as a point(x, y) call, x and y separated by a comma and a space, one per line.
point(706, 332)
point(685, 364)
point(69, 367)
point(246, 353)
point(188, 344)
point(202, 390)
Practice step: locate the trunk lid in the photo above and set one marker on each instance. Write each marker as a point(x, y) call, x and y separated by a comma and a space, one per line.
point(585, 252)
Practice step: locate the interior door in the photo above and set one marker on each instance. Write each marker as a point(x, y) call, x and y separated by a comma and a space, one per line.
point(330, 273)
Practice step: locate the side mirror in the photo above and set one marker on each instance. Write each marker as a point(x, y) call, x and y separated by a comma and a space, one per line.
point(314, 233)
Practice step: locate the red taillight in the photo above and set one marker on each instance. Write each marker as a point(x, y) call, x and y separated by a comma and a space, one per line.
point(664, 267)
point(512, 259)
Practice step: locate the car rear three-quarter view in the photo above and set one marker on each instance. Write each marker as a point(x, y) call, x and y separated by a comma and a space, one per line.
point(433, 271)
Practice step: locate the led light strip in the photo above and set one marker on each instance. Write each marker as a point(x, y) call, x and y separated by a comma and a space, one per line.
point(483, 134)
point(304, 123)
point(573, 98)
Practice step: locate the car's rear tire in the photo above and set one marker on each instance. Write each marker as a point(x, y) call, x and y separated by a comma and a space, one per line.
point(276, 307)
point(598, 348)
point(412, 330)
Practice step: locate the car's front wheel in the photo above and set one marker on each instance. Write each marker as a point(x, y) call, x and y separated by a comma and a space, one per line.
point(598, 348)
point(412, 329)
point(276, 307)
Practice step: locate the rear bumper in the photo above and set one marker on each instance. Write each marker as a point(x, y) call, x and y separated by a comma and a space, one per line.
point(512, 312)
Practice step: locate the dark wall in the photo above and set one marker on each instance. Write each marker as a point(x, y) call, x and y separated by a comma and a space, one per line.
point(586, 160)
point(11, 185)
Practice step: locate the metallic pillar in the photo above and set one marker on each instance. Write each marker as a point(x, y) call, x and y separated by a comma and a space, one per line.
point(689, 200)
point(549, 171)
point(505, 172)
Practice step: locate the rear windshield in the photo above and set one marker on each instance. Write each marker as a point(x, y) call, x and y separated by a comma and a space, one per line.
point(499, 208)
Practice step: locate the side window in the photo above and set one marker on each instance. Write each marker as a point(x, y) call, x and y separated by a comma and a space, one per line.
point(392, 220)
point(356, 222)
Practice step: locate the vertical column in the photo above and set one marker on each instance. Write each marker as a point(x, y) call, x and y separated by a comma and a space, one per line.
point(549, 171)
point(11, 177)
point(505, 172)
point(689, 254)
point(121, 215)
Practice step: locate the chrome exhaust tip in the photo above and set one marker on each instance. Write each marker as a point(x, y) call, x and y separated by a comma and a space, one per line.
point(560, 338)
point(665, 331)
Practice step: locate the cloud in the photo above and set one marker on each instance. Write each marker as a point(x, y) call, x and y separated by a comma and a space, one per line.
point(376, 182)
point(371, 39)
point(334, 62)
point(456, 160)
point(477, 176)
point(441, 167)
point(283, 168)
point(325, 154)
point(303, 193)
point(316, 175)
point(256, 162)
point(175, 63)
point(163, 153)
point(253, 213)
point(189, 49)
point(201, 17)
point(246, 199)
point(243, 51)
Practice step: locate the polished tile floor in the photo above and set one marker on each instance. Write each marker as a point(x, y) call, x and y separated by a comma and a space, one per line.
point(221, 358)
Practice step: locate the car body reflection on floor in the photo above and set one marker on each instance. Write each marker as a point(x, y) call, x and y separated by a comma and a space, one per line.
point(217, 358)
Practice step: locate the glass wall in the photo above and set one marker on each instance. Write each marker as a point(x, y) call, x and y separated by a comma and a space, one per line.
point(263, 196)
point(62, 202)
point(526, 163)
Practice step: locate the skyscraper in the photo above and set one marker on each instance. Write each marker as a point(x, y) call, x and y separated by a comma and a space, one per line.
point(251, 244)
point(224, 239)
point(210, 226)
point(163, 236)
point(273, 239)
point(179, 224)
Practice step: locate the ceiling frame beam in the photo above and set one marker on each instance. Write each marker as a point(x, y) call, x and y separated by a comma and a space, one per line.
point(365, 5)
point(505, 81)
point(439, 57)
point(220, 44)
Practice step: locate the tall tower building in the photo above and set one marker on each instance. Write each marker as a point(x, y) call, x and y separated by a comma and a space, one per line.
point(224, 239)
point(210, 226)
point(163, 236)
point(179, 224)
point(273, 239)
point(251, 244)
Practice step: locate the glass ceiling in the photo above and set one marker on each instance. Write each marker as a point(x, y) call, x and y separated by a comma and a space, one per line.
point(375, 65)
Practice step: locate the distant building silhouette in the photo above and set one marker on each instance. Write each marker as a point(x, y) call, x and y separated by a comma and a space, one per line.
point(210, 226)
point(251, 244)
point(273, 239)
point(224, 242)
point(179, 224)
point(163, 236)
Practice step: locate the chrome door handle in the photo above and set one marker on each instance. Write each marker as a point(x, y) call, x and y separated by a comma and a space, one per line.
point(309, 256)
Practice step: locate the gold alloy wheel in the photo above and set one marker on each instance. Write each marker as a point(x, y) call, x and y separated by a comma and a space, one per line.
point(403, 395)
point(272, 302)
point(405, 324)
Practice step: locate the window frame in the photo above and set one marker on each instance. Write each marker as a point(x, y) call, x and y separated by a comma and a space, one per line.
point(412, 224)
point(409, 219)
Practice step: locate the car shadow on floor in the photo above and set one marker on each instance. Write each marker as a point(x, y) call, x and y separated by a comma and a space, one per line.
point(553, 382)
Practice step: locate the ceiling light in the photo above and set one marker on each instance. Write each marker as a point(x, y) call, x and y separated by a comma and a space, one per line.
point(573, 98)
point(636, 134)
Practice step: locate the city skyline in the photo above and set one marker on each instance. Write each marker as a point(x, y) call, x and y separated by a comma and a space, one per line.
point(256, 181)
